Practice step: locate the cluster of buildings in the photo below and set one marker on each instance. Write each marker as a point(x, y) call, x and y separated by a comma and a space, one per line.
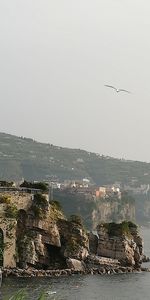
point(83, 186)
point(108, 191)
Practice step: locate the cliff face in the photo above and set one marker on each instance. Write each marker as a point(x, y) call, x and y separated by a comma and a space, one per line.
point(143, 208)
point(46, 242)
point(74, 240)
point(94, 210)
point(112, 211)
point(120, 241)
point(35, 233)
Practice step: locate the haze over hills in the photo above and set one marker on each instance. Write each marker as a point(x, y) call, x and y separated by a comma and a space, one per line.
point(25, 158)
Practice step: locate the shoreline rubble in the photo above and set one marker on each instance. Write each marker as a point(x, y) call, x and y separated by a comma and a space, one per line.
point(102, 270)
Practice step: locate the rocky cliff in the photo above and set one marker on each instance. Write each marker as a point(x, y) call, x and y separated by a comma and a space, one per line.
point(45, 238)
point(120, 241)
point(112, 210)
point(94, 210)
point(37, 235)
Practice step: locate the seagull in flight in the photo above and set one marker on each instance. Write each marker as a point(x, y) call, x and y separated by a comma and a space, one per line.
point(117, 90)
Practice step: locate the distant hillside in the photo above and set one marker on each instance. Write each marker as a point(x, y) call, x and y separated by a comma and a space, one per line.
point(24, 157)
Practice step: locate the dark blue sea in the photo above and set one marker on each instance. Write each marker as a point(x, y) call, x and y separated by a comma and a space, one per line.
point(90, 287)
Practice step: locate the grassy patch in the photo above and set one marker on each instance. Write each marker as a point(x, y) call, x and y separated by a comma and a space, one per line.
point(22, 295)
point(11, 211)
point(120, 229)
point(5, 199)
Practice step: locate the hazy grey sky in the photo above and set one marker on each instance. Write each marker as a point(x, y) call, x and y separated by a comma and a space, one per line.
point(56, 56)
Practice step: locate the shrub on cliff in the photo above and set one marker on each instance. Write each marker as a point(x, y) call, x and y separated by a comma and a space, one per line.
point(76, 219)
point(5, 199)
point(72, 246)
point(115, 229)
point(56, 204)
point(39, 205)
point(35, 185)
point(56, 211)
point(4, 183)
point(132, 225)
point(11, 211)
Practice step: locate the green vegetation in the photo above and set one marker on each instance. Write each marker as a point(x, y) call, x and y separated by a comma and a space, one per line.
point(77, 204)
point(123, 228)
point(11, 211)
point(36, 185)
point(26, 158)
point(76, 219)
point(132, 225)
point(73, 245)
point(9, 228)
point(5, 199)
point(4, 183)
point(39, 205)
point(56, 211)
point(56, 204)
point(23, 157)
point(22, 295)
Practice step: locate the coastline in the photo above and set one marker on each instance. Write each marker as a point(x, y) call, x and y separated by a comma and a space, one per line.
point(102, 270)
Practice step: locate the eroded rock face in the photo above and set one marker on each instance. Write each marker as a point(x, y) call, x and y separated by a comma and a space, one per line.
point(74, 240)
point(47, 242)
point(93, 242)
point(107, 211)
point(42, 238)
point(38, 242)
point(125, 246)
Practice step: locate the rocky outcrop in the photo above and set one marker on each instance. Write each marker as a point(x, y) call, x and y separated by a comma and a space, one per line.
point(74, 240)
point(45, 239)
point(120, 241)
point(40, 237)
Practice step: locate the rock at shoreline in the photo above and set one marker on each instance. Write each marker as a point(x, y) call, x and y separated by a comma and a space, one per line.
point(41, 238)
point(145, 258)
point(75, 264)
point(120, 241)
point(77, 268)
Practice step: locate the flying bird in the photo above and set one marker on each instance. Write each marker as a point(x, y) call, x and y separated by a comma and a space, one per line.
point(117, 90)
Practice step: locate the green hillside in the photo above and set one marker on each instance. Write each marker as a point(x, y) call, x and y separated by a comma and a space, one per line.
point(24, 157)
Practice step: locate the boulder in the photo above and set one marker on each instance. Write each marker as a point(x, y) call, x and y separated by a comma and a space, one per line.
point(76, 264)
